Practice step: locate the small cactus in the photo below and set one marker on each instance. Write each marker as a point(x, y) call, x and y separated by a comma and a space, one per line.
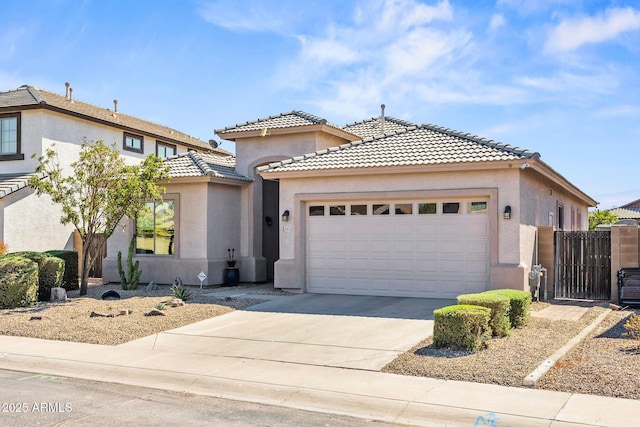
point(130, 279)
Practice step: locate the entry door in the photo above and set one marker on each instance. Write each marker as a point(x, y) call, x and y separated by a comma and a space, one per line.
point(270, 224)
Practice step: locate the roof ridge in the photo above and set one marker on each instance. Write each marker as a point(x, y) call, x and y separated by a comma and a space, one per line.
point(483, 141)
point(335, 148)
point(386, 119)
point(199, 162)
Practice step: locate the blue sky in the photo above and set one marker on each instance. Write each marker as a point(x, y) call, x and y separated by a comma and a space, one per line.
point(559, 77)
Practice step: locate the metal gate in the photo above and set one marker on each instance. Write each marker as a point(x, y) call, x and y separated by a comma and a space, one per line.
point(98, 253)
point(583, 264)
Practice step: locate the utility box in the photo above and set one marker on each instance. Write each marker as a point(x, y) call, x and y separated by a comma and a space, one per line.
point(534, 282)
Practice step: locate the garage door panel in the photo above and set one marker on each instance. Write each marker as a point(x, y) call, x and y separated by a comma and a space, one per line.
point(433, 255)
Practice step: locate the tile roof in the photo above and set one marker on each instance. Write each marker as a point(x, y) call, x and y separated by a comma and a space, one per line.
point(626, 212)
point(198, 164)
point(280, 121)
point(33, 97)
point(371, 127)
point(10, 183)
point(417, 145)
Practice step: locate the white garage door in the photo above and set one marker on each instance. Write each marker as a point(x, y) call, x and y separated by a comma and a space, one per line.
point(430, 248)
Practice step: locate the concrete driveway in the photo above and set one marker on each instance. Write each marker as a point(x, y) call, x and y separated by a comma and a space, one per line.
point(358, 332)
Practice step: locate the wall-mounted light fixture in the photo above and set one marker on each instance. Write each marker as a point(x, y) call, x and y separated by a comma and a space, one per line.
point(507, 212)
point(285, 216)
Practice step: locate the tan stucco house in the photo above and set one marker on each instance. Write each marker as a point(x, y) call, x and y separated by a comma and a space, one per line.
point(377, 207)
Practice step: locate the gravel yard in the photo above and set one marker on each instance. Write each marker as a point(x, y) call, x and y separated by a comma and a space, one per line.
point(71, 321)
point(605, 363)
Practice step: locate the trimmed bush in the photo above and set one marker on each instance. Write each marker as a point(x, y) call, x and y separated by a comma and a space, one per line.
point(520, 302)
point(18, 282)
point(461, 327)
point(50, 271)
point(70, 276)
point(499, 305)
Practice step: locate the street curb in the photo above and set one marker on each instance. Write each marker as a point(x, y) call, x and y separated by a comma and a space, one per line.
point(531, 379)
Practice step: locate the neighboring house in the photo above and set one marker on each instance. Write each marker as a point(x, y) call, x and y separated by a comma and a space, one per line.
point(630, 211)
point(377, 207)
point(31, 121)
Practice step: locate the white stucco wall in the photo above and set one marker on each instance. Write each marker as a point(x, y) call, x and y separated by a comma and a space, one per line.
point(32, 223)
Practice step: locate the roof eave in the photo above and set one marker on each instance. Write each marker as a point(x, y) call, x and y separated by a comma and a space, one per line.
point(266, 132)
point(548, 172)
point(269, 174)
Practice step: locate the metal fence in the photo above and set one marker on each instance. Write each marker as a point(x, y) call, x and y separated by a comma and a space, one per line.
point(583, 264)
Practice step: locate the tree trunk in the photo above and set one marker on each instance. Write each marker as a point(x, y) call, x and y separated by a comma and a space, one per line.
point(84, 274)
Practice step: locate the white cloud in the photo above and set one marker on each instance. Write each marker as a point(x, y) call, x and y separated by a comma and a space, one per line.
point(497, 22)
point(243, 16)
point(571, 34)
point(624, 110)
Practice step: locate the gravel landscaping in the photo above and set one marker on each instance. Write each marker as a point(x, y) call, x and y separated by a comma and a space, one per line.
point(605, 363)
point(72, 321)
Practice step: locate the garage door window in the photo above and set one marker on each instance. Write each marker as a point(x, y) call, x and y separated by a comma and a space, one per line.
point(450, 208)
point(477, 207)
point(427, 208)
point(337, 210)
point(358, 209)
point(382, 209)
point(316, 210)
point(404, 209)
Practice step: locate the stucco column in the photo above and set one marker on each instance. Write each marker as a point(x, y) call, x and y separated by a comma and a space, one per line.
point(253, 266)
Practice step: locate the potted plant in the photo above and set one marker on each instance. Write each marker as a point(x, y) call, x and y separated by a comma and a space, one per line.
point(231, 273)
point(231, 261)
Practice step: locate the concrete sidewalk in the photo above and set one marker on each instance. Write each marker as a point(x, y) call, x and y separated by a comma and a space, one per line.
point(316, 387)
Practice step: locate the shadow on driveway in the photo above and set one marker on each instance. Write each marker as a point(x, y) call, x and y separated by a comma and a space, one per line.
point(355, 305)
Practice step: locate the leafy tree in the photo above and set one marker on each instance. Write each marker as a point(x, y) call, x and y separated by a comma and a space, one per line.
point(98, 191)
point(598, 217)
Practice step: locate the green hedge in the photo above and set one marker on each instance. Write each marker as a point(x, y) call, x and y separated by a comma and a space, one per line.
point(499, 305)
point(70, 276)
point(18, 282)
point(520, 302)
point(50, 271)
point(461, 327)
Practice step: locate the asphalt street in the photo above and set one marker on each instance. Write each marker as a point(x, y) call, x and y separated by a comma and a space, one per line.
point(44, 400)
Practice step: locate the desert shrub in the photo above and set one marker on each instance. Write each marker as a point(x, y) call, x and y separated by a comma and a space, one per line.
point(461, 327)
point(70, 275)
point(520, 304)
point(180, 292)
point(18, 282)
point(50, 271)
point(3, 248)
point(499, 305)
point(632, 325)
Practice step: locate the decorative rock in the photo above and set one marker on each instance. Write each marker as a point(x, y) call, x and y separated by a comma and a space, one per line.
point(176, 302)
point(123, 313)
point(96, 314)
point(58, 295)
point(40, 318)
point(154, 312)
point(152, 286)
